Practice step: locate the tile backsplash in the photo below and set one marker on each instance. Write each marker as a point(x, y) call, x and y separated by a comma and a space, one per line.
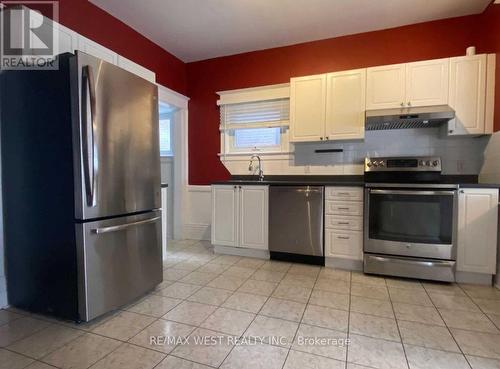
point(460, 155)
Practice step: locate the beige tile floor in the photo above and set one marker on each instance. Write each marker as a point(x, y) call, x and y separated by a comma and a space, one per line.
point(390, 323)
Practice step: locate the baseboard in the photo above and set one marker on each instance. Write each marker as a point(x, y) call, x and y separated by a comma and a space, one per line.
point(239, 251)
point(474, 278)
point(196, 231)
point(341, 263)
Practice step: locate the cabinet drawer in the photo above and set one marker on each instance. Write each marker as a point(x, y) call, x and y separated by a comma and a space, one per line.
point(344, 223)
point(344, 193)
point(343, 208)
point(344, 244)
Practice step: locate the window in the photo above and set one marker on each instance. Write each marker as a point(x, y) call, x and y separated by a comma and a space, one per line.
point(165, 136)
point(165, 114)
point(257, 126)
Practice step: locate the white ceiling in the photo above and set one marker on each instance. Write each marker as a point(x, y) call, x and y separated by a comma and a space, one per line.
point(201, 29)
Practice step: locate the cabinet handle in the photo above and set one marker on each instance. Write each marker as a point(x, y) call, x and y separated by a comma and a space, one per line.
point(402, 104)
point(343, 237)
point(235, 187)
point(344, 193)
point(343, 223)
point(409, 103)
point(343, 208)
point(321, 138)
point(327, 138)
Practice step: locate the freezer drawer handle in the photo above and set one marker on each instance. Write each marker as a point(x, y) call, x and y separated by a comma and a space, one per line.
point(121, 227)
point(89, 155)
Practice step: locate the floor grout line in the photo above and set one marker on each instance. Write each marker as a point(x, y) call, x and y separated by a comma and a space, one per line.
point(197, 257)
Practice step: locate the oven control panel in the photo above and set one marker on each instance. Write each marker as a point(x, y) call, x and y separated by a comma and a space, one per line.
point(406, 164)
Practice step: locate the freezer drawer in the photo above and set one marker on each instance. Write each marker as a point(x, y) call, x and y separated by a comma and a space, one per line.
point(119, 260)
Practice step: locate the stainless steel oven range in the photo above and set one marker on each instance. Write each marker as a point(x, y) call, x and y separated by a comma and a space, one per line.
point(410, 221)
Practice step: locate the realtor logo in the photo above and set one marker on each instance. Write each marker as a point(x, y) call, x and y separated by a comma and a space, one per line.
point(28, 39)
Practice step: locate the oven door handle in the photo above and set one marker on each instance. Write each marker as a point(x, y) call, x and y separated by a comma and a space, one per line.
point(393, 259)
point(407, 192)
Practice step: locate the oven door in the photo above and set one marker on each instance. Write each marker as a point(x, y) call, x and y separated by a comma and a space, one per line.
point(411, 222)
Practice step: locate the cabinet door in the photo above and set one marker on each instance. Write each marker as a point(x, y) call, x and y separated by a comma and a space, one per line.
point(427, 82)
point(344, 244)
point(92, 48)
point(477, 230)
point(254, 215)
point(385, 87)
point(136, 69)
point(225, 211)
point(307, 108)
point(467, 94)
point(345, 105)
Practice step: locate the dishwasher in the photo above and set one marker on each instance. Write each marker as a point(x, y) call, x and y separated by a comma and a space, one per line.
point(296, 224)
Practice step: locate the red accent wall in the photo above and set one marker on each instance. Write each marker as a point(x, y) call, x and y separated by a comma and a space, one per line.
point(443, 38)
point(489, 41)
point(92, 22)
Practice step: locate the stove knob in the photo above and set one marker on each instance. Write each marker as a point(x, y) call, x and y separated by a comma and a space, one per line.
point(369, 164)
point(435, 163)
point(428, 163)
point(382, 163)
point(421, 163)
point(375, 163)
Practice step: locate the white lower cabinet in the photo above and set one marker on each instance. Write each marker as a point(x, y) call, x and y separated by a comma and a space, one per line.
point(477, 230)
point(344, 244)
point(344, 222)
point(240, 216)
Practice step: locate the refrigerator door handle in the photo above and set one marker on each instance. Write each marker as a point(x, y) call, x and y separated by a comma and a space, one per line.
point(121, 227)
point(89, 155)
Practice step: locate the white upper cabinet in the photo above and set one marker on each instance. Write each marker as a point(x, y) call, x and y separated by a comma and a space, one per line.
point(307, 108)
point(472, 80)
point(345, 105)
point(385, 87)
point(422, 83)
point(254, 217)
point(93, 48)
point(136, 69)
point(427, 82)
point(477, 230)
point(225, 214)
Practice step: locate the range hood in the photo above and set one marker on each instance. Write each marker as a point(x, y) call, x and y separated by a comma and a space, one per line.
point(412, 117)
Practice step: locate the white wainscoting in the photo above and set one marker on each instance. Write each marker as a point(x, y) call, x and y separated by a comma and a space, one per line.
point(198, 213)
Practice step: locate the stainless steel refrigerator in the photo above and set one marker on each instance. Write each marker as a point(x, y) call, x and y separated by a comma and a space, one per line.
point(81, 187)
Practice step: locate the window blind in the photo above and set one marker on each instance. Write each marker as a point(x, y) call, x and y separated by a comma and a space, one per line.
point(267, 113)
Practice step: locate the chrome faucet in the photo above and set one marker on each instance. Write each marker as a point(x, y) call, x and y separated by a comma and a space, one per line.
point(250, 167)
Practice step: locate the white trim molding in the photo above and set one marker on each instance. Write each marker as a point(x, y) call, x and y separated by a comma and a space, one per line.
point(270, 92)
point(172, 97)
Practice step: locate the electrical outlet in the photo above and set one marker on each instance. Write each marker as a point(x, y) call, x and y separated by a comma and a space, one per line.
point(460, 166)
